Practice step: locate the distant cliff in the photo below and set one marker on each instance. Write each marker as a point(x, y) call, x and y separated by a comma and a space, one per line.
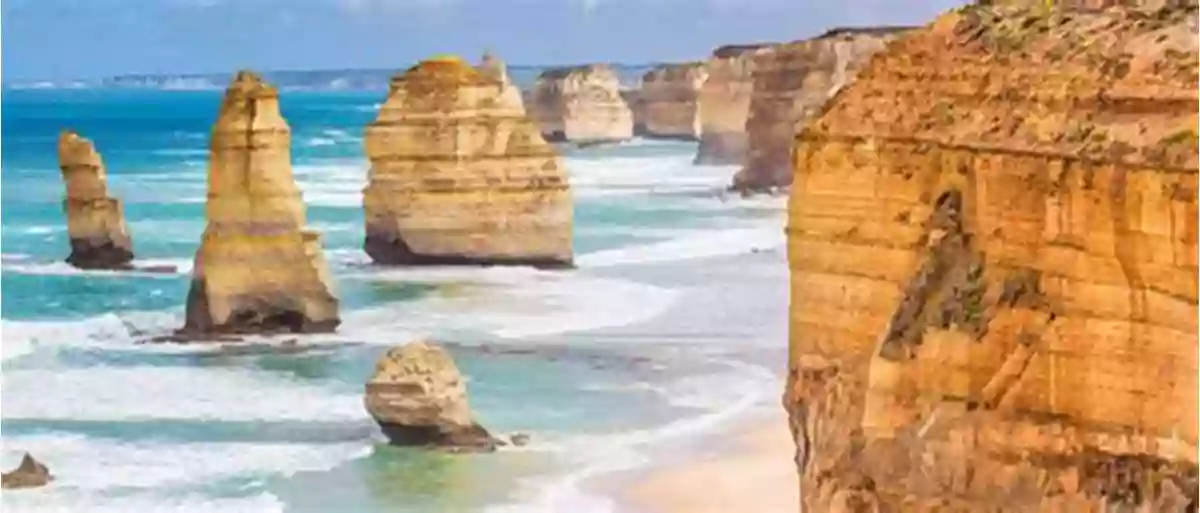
point(992, 241)
point(581, 104)
point(791, 84)
point(724, 103)
point(669, 100)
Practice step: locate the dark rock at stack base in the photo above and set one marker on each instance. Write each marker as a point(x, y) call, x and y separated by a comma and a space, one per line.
point(30, 473)
point(419, 398)
point(95, 221)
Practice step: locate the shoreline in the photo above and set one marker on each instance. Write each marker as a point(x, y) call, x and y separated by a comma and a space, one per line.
point(751, 470)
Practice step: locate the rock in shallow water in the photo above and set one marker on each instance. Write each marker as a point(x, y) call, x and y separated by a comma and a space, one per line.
point(461, 176)
point(419, 398)
point(95, 222)
point(258, 270)
point(29, 474)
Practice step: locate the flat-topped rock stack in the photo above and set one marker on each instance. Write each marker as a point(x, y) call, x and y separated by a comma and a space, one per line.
point(95, 221)
point(581, 104)
point(992, 242)
point(724, 103)
point(257, 269)
point(791, 84)
point(460, 175)
point(669, 98)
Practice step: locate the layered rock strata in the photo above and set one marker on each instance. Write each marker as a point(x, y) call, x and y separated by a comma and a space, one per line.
point(257, 269)
point(460, 175)
point(724, 104)
point(493, 68)
point(581, 104)
point(30, 473)
point(418, 397)
point(791, 84)
point(95, 221)
point(992, 241)
point(669, 98)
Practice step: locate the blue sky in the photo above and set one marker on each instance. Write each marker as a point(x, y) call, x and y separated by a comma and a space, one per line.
point(57, 39)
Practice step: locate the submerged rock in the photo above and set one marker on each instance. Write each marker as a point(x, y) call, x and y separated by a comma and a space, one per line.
point(724, 104)
point(30, 473)
point(418, 397)
point(460, 175)
point(258, 270)
point(581, 104)
point(992, 241)
point(669, 103)
point(95, 221)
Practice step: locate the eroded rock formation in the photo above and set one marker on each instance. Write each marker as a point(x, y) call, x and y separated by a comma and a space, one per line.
point(418, 397)
point(791, 84)
point(992, 242)
point(581, 104)
point(460, 175)
point(724, 104)
point(30, 473)
point(258, 269)
point(669, 97)
point(95, 222)
point(495, 69)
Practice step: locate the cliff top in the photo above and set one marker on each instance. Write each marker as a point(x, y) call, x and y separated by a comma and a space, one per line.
point(1116, 85)
point(440, 72)
point(583, 69)
point(673, 71)
point(248, 85)
point(76, 150)
point(728, 51)
point(881, 30)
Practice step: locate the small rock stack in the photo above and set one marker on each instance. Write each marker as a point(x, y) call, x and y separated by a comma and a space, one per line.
point(95, 222)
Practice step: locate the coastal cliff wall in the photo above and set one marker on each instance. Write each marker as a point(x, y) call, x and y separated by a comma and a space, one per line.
point(992, 242)
point(95, 221)
point(724, 104)
point(669, 98)
point(258, 269)
point(460, 175)
point(581, 104)
point(790, 85)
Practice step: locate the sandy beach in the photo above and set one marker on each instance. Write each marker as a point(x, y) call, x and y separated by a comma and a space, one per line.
point(754, 475)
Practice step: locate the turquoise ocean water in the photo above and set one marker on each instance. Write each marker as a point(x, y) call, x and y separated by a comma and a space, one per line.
point(671, 328)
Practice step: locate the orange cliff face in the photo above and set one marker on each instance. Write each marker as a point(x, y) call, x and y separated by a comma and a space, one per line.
point(95, 221)
point(668, 100)
point(460, 175)
point(258, 269)
point(791, 85)
point(724, 104)
point(992, 241)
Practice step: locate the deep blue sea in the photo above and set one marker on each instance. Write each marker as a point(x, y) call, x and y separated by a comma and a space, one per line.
point(671, 328)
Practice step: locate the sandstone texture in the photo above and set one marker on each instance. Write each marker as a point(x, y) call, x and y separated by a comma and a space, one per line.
point(418, 397)
point(724, 104)
point(581, 104)
point(492, 68)
point(669, 98)
point(257, 269)
point(30, 473)
point(460, 175)
point(791, 84)
point(992, 241)
point(95, 222)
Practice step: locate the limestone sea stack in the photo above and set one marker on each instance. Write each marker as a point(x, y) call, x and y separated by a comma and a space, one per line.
point(669, 97)
point(724, 104)
point(992, 242)
point(258, 269)
point(460, 175)
point(495, 69)
point(581, 104)
point(95, 221)
point(30, 473)
point(791, 84)
point(418, 397)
